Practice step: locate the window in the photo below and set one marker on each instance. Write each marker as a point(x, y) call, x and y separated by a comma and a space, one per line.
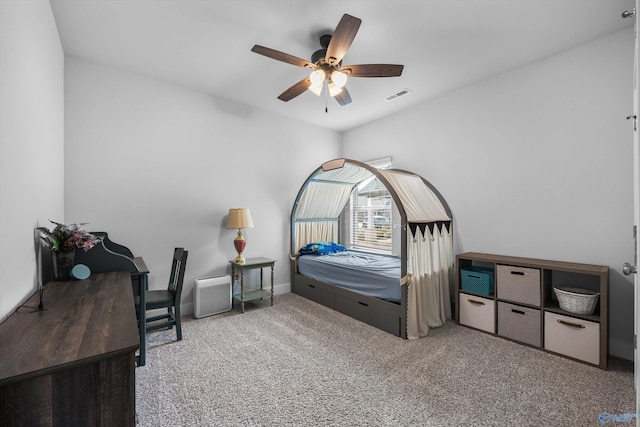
point(370, 210)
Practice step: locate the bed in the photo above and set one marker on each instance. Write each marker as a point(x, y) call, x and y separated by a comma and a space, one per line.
point(403, 293)
point(386, 315)
point(373, 275)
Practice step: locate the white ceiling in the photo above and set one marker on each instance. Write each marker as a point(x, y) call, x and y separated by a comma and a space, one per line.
point(443, 44)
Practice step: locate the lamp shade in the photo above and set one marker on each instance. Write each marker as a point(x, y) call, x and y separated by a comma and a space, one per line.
point(239, 218)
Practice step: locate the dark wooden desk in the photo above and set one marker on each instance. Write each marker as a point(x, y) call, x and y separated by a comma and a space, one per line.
point(140, 282)
point(108, 256)
point(72, 364)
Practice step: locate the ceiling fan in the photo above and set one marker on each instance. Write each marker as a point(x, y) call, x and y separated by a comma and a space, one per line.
point(328, 74)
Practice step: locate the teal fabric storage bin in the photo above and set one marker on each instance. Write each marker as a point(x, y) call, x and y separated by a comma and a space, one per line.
point(479, 280)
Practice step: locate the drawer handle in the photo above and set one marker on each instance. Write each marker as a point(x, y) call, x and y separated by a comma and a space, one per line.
point(573, 325)
point(473, 301)
point(517, 311)
point(362, 303)
point(518, 273)
point(475, 277)
point(311, 286)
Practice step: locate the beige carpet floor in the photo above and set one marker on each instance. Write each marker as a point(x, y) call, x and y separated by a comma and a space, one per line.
point(301, 364)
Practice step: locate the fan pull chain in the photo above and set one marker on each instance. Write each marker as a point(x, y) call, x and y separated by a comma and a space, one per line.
point(326, 97)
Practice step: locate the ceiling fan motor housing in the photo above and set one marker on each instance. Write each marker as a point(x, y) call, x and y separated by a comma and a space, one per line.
point(318, 55)
point(324, 40)
point(321, 53)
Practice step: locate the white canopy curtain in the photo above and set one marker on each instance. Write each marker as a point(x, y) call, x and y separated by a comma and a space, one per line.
point(430, 263)
point(420, 204)
point(315, 231)
point(318, 211)
point(321, 202)
point(429, 253)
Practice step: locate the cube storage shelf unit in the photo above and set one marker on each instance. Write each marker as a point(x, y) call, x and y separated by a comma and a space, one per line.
point(522, 306)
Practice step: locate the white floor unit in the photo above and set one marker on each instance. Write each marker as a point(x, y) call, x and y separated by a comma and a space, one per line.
point(212, 295)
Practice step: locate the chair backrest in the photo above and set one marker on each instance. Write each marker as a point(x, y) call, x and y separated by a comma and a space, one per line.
point(178, 268)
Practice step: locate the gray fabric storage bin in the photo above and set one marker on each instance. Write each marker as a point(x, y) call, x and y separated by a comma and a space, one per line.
point(477, 312)
point(573, 337)
point(518, 284)
point(519, 323)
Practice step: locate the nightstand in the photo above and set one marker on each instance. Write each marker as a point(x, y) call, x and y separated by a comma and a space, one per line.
point(237, 273)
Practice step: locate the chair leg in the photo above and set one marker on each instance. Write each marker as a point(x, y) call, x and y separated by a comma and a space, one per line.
point(170, 313)
point(178, 324)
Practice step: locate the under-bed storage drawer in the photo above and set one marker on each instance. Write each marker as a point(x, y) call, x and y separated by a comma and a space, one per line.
point(519, 323)
point(477, 312)
point(572, 337)
point(313, 292)
point(518, 284)
point(363, 310)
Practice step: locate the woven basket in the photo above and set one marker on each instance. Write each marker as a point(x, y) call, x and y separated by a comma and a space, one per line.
point(577, 300)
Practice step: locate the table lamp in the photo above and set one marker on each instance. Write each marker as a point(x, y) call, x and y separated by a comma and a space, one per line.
point(239, 218)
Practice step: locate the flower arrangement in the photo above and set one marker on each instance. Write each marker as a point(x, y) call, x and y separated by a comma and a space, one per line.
point(66, 238)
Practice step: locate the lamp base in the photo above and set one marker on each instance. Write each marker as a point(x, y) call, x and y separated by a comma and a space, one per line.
point(239, 243)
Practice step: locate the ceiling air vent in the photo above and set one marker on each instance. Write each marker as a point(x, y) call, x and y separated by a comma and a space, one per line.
point(398, 94)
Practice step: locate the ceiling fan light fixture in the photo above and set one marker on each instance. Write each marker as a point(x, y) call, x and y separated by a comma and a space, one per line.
point(327, 75)
point(334, 89)
point(339, 78)
point(317, 77)
point(316, 89)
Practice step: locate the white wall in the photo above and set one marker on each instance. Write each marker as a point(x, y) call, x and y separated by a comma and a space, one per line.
point(535, 162)
point(158, 166)
point(31, 140)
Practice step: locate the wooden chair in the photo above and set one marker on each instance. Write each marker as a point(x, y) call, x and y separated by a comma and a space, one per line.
point(169, 298)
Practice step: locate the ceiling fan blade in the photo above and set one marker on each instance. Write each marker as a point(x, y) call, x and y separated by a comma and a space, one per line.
point(281, 56)
point(344, 97)
point(373, 70)
point(342, 38)
point(295, 90)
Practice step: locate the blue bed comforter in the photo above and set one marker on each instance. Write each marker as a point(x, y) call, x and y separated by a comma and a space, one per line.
point(373, 275)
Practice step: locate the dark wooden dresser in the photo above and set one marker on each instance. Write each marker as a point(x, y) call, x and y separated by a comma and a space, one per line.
point(72, 364)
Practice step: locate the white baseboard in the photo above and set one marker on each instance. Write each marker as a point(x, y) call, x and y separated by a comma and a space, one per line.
point(623, 350)
point(283, 288)
point(187, 308)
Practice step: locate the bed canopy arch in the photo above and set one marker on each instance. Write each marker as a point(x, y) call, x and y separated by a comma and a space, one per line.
point(425, 222)
point(323, 196)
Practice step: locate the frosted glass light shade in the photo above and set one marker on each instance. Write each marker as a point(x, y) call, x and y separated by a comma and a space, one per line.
point(317, 77)
point(316, 89)
point(339, 78)
point(334, 89)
